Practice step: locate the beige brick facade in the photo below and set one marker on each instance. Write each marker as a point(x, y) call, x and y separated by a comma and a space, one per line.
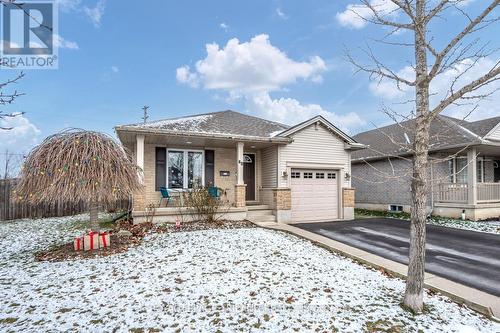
point(348, 197)
point(225, 160)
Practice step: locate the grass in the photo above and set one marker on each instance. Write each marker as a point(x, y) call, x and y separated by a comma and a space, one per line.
point(363, 213)
point(106, 221)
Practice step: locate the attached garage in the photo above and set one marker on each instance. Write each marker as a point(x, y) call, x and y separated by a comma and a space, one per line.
point(315, 194)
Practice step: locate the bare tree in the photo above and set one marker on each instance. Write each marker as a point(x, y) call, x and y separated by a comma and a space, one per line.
point(431, 59)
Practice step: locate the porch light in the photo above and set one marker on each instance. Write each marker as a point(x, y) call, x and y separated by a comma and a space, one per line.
point(347, 176)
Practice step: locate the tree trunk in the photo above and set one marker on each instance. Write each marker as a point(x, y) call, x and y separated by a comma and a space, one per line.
point(94, 212)
point(414, 294)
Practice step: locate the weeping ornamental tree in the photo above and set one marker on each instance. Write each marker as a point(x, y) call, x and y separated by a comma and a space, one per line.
point(78, 165)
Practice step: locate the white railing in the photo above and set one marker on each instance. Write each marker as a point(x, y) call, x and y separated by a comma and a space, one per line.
point(452, 192)
point(488, 192)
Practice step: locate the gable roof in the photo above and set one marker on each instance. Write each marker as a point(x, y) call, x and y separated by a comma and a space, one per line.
point(445, 132)
point(222, 123)
point(328, 125)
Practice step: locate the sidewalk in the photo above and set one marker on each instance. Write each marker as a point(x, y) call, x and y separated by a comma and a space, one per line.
point(475, 299)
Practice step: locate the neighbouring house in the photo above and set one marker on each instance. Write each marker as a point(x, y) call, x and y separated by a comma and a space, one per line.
point(464, 171)
point(268, 171)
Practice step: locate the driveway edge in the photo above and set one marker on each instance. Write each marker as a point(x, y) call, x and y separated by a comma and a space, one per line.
point(476, 300)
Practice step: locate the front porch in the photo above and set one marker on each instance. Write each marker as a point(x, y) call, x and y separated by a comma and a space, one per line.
point(472, 185)
point(242, 170)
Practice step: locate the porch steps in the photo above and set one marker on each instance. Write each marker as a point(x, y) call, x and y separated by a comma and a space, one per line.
point(260, 213)
point(257, 207)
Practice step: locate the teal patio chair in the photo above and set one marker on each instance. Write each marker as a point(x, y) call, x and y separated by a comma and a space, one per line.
point(164, 195)
point(214, 192)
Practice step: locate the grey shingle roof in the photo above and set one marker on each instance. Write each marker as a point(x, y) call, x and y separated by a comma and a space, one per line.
point(445, 132)
point(217, 123)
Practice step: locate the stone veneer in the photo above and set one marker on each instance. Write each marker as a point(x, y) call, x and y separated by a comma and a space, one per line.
point(240, 195)
point(348, 197)
point(282, 198)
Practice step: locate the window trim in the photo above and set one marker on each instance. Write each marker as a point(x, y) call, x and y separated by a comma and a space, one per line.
point(480, 172)
point(185, 167)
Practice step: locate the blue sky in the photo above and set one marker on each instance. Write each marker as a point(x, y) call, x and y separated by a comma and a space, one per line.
point(287, 64)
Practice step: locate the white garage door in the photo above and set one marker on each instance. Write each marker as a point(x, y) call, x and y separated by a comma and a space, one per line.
point(314, 195)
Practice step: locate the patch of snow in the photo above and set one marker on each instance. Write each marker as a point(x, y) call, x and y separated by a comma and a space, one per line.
point(482, 226)
point(186, 123)
point(227, 280)
point(275, 133)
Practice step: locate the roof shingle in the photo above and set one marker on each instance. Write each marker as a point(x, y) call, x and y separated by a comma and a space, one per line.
point(445, 132)
point(222, 122)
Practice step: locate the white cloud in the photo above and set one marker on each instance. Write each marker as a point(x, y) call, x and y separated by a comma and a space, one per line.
point(249, 71)
point(184, 76)
point(68, 5)
point(224, 26)
point(291, 111)
point(355, 16)
point(281, 14)
point(249, 66)
point(95, 13)
point(62, 43)
point(115, 69)
point(22, 137)
point(388, 91)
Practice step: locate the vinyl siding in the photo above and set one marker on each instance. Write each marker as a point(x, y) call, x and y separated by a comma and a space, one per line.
point(495, 135)
point(314, 144)
point(269, 166)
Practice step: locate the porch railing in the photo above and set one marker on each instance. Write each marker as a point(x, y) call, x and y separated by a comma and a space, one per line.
point(452, 192)
point(488, 192)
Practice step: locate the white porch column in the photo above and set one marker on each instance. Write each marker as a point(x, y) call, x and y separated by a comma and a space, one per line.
point(240, 187)
point(472, 175)
point(239, 161)
point(139, 155)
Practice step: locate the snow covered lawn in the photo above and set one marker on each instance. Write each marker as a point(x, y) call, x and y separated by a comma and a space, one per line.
point(483, 226)
point(227, 280)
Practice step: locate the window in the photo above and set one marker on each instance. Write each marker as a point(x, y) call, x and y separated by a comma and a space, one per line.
point(395, 208)
point(195, 169)
point(175, 169)
point(320, 175)
point(185, 169)
point(458, 167)
point(332, 175)
point(295, 174)
point(308, 175)
point(480, 170)
point(458, 170)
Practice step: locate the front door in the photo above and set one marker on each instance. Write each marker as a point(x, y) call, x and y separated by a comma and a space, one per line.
point(249, 175)
point(496, 176)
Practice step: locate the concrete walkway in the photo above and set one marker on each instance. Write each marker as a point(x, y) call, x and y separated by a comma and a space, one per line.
point(475, 299)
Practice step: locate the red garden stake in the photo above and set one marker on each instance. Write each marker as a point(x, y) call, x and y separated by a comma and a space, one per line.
point(178, 224)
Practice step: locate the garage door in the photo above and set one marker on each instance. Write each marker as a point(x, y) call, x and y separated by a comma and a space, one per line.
point(314, 195)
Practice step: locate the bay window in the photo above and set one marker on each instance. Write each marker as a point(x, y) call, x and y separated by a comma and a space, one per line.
point(185, 169)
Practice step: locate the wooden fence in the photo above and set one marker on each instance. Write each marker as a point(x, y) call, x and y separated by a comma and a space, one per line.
point(11, 209)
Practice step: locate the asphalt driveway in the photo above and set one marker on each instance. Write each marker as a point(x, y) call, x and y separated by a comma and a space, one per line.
point(468, 257)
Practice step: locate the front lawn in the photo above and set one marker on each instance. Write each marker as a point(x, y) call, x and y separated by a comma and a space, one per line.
point(227, 280)
point(483, 226)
